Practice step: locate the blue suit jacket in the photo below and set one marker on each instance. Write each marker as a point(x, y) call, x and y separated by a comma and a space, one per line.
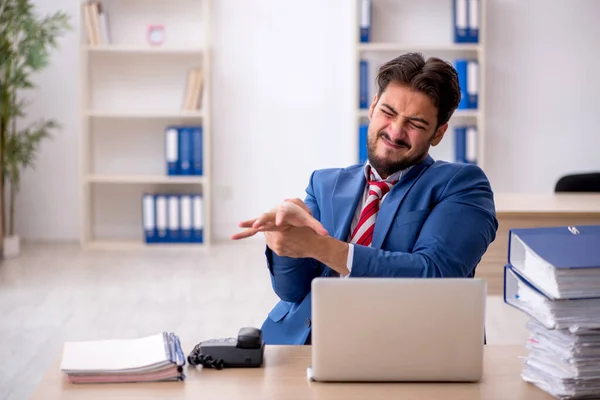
point(436, 222)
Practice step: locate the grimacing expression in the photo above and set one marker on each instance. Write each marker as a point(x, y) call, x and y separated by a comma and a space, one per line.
point(402, 127)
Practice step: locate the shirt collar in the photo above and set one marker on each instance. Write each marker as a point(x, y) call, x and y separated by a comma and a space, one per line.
point(393, 177)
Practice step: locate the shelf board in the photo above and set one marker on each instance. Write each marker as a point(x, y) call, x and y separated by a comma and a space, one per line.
point(140, 179)
point(457, 114)
point(133, 244)
point(400, 47)
point(141, 49)
point(145, 114)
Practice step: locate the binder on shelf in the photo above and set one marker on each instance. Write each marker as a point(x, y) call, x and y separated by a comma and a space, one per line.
point(468, 79)
point(185, 150)
point(161, 218)
point(562, 262)
point(185, 207)
point(197, 150)
point(460, 19)
point(474, 20)
point(172, 150)
point(461, 69)
point(364, 84)
point(197, 218)
point(362, 143)
point(149, 218)
point(365, 20)
point(465, 144)
point(472, 84)
point(173, 230)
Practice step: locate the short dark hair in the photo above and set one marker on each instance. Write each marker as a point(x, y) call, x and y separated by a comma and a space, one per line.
point(435, 77)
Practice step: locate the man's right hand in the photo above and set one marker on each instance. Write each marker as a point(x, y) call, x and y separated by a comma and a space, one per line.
point(290, 213)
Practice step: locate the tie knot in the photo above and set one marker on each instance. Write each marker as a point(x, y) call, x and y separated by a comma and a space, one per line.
point(379, 188)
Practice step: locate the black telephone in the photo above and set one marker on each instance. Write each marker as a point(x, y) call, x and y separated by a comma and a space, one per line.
point(245, 351)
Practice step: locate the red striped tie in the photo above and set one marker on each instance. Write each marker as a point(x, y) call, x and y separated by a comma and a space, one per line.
point(363, 233)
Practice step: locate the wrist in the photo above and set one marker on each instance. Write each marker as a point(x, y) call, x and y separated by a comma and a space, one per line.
point(331, 252)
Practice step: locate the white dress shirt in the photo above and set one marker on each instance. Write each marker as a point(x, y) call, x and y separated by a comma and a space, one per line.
point(394, 177)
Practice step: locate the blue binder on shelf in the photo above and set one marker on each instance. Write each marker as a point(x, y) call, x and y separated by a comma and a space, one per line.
point(472, 84)
point(185, 150)
point(461, 69)
point(466, 21)
point(460, 21)
point(161, 208)
point(465, 144)
point(172, 150)
point(563, 262)
point(364, 84)
point(365, 20)
point(473, 21)
point(197, 218)
point(185, 207)
point(173, 217)
point(362, 143)
point(149, 218)
point(197, 150)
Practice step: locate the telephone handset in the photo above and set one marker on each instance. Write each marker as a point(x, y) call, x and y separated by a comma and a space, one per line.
point(245, 351)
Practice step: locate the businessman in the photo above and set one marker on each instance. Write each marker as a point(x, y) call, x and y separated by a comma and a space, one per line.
point(401, 214)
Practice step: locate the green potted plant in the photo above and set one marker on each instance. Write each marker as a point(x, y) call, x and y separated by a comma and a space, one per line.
point(26, 40)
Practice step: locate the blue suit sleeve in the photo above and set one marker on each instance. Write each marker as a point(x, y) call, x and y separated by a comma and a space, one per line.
point(291, 277)
point(452, 241)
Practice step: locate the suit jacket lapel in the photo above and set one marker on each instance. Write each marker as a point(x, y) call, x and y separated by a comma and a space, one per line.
point(347, 192)
point(392, 202)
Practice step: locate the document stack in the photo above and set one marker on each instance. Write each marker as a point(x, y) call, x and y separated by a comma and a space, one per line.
point(553, 275)
point(149, 359)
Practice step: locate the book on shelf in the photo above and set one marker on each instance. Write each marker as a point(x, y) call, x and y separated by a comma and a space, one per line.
point(553, 276)
point(173, 218)
point(96, 23)
point(152, 358)
point(193, 90)
point(184, 149)
point(465, 144)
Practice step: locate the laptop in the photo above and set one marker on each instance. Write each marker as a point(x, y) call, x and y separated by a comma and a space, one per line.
point(397, 329)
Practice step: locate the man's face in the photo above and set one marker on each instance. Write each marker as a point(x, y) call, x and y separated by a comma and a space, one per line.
point(401, 129)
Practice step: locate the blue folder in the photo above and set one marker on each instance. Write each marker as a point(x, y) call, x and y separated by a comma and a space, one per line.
point(562, 261)
point(567, 313)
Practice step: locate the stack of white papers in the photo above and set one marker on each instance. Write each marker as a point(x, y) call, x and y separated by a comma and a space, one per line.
point(563, 363)
point(148, 359)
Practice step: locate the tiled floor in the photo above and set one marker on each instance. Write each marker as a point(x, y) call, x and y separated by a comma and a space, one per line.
point(54, 293)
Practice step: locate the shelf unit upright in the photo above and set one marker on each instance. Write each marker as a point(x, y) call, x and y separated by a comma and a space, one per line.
point(427, 27)
point(135, 63)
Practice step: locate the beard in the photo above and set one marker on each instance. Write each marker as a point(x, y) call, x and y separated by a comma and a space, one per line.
point(385, 167)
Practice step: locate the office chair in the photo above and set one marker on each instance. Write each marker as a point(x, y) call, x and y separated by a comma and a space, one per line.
point(586, 182)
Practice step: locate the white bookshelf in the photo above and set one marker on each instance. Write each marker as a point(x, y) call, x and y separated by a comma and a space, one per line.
point(426, 26)
point(131, 91)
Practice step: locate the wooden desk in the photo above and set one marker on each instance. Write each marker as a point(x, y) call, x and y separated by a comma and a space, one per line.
point(283, 376)
point(516, 210)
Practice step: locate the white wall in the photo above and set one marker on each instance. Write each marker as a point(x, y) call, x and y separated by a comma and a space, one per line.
point(282, 89)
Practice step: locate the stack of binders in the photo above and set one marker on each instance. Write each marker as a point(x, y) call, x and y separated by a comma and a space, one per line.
point(553, 275)
point(155, 358)
point(465, 144)
point(184, 150)
point(173, 218)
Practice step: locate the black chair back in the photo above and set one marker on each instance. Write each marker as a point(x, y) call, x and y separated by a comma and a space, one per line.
point(586, 182)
